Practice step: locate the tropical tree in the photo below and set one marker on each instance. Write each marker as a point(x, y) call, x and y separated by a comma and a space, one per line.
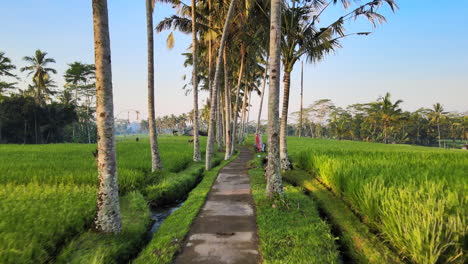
point(196, 143)
point(38, 66)
point(302, 37)
point(108, 208)
point(5, 71)
point(437, 116)
point(214, 93)
point(155, 157)
point(388, 113)
point(273, 172)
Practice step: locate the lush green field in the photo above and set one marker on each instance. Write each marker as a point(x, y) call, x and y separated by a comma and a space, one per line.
point(416, 197)
point(48, 192)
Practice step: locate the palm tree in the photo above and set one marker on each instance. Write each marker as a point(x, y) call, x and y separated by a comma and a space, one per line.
point(302, 37)
point(437, 115)
point(388, 113)
point(77, 77)
point(196, 143)
point(155, 158)
point(108, 208)
point(214, 93)
point(41, 73)
point(273, 173)
point(5, 70)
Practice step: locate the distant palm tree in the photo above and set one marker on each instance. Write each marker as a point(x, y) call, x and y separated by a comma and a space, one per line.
point(77, 75)
point(437, 116)
point(5, 70)
point(41, 73)
point(388, 113)
point(196, 142)
point(108, 208)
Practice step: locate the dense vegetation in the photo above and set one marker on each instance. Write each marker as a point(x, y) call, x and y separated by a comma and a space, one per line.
point(382, 121)
point(415, 197)
point(48, 192)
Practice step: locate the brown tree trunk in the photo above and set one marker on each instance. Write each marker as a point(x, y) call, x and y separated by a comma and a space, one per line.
point(227, 109)
point(211, 125)
point(243, 112)
point(301, 123)
point(219, 123)
point(257, 130)
point(153, 134)
point(236, 105)
point(108, 208)
point(285, 164)
point(196, 141)
point(273, 174)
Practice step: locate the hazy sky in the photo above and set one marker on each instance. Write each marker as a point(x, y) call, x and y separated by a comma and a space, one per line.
point(420, 55)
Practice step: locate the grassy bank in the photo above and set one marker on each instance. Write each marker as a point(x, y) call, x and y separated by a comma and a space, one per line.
point(360, 244)
point(290, 231)
point(170, 236)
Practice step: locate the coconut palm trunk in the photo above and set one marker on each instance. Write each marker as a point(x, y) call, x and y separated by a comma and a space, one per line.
point(227, 109)
point(273, 171)
point(236, 105)
point(196, 141)
point(301, 121)
point(219, 123)
point(153, 134)
point(212, 120)
point(108, 208)
point(257, 130)
point(243, 112)
point(285, 164)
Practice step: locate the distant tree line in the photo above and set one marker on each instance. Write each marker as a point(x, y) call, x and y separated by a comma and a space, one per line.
point(44, 113)
point(382, 121)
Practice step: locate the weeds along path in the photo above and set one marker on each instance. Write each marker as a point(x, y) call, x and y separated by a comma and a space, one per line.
point(225, 229)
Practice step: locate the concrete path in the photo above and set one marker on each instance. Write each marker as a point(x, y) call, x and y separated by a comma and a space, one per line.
point(225, 230)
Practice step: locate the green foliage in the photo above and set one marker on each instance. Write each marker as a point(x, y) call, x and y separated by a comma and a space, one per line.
point(290, 231)
point(415, 197)
point(170, 236)
point(92, 247)
point(359, 243)
point(173, 186)
point(48, 192)
point(36, 219)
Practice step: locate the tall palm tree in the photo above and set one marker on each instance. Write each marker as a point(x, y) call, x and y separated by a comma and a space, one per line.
point(214, 93)
point(155, 158)
point(108, 208)
point(5, 70)
point(437, 115)
point(196, 142)
point(273, 173)
point(303, 37)
point(77, 77)
point(41, 73)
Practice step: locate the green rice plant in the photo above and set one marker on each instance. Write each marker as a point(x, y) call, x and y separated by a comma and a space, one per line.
point(416, 197)
point(36, 219)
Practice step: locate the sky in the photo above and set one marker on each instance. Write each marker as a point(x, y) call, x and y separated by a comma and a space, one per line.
point(420, 55)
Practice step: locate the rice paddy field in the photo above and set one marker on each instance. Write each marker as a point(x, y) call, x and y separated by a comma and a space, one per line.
point(414, 198)
point(48, 192)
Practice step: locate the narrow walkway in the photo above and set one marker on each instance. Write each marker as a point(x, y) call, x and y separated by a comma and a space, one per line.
point(225, 230)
